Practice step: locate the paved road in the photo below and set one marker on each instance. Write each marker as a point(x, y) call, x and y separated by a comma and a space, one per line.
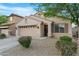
point(7, 43)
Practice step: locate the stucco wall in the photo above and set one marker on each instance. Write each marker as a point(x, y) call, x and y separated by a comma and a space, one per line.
point(28, 31)
point(15, 19)
point(57, 35)
point(12, 29)
point(41, 30)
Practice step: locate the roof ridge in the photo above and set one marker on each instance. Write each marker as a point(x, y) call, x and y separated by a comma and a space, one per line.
point(43, 18)
point(34, 18)
point(15, 15)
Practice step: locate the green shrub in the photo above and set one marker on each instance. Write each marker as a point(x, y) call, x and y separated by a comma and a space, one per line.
point(66, 46)
point(25, 41)
point(2, 36)
point(65, 39)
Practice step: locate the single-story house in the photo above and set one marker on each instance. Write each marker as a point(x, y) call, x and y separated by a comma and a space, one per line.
point(39, 26)
point(9, 28)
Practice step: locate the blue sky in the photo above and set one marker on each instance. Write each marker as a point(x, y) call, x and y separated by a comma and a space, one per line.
point(23, 9)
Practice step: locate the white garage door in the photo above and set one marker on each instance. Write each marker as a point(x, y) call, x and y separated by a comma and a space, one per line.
point(29, 31)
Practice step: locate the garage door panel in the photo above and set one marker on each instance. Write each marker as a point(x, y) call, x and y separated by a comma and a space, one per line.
point(33, 31)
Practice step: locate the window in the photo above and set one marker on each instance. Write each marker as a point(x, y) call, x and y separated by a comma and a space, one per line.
point(59, 28)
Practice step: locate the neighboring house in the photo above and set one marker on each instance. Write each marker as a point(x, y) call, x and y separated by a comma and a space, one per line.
point(9, 28)
point(38, 26)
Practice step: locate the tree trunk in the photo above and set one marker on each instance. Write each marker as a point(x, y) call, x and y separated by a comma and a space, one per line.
point(77, 22)
point(77, 39)
point(78, 31)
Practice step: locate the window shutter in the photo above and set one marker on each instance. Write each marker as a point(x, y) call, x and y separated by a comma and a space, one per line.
point(66, 28)
point(52, 27)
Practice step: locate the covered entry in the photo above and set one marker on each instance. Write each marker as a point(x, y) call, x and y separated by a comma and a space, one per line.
point(45, 30)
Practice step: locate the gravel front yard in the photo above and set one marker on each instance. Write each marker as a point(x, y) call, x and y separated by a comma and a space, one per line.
point(43, 47)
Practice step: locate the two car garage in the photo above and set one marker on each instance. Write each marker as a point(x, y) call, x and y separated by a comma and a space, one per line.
point(31, 30)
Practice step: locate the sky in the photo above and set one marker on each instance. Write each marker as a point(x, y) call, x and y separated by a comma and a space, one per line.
point(22, 9)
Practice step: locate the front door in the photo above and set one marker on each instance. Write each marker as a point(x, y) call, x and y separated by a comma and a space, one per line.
point(45, 30)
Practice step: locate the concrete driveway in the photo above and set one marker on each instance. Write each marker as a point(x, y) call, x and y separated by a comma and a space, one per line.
point(39, 47)
point(7, 43)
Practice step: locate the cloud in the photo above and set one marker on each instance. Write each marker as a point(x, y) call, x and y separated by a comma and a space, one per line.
point(24, 11)
point(3, 7)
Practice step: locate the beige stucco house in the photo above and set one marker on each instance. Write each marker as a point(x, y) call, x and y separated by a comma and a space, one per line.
point(9, 28)
point(39, 26)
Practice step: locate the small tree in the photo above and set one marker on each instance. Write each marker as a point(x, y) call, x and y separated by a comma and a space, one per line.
point(68, 11)
point(66, 46)
point(3, 19)
point(2, 36)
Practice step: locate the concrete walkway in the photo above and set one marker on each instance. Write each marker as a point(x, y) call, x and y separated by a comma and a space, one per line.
point(7, 43)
